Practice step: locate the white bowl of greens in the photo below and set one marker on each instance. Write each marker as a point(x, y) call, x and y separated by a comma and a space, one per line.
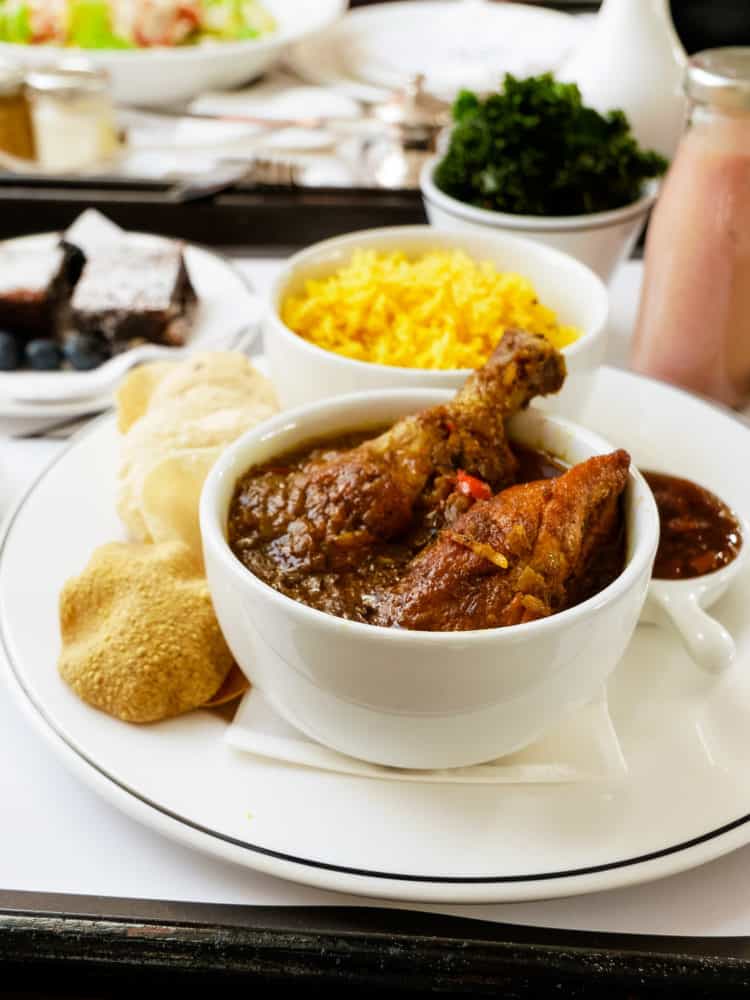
point(162, 51)
point(533, 161)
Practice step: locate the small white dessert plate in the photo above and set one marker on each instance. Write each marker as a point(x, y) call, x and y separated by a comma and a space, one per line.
point(684, 733)
point(227, 307)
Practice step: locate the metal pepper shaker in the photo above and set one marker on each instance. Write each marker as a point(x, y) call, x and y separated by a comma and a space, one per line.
point(414, 120)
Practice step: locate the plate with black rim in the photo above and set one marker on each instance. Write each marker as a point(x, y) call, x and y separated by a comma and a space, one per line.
point(684, 800)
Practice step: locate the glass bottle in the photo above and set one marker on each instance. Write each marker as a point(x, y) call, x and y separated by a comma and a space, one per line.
point(73, 118)
point(693, 326)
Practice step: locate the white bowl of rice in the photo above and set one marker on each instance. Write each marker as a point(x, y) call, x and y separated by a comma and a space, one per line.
point(413, 306)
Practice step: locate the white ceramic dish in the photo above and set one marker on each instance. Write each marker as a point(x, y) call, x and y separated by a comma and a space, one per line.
point(601, 241)
point(165, 75)
point(454, 43)
point(418, 699)
point(685, 799)
point(12, 409)
point(304, 373)
point(227, 308)
point(681, 604)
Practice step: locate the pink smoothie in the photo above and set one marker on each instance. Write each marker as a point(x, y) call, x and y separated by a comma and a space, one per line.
point(693, 325)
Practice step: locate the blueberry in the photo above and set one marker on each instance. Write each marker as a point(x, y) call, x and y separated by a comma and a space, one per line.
point(85, 351)
point(43, 355)
point(10, 356)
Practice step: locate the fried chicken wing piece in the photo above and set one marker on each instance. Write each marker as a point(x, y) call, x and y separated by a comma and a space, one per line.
point(323, 516)
point(525, 553)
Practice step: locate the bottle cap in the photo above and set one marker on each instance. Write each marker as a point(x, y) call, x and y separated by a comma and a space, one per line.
point(68, 79)
point(720, 77)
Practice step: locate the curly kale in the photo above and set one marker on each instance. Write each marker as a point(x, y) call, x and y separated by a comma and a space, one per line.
point(534, 149)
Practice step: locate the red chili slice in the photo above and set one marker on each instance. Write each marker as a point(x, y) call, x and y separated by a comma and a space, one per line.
point(470, 486)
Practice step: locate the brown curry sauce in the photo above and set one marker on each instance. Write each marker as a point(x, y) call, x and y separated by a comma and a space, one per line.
point(698, 532)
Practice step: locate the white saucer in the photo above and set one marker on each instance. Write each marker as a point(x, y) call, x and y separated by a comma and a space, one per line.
point(685, 736)
point(227, 306)
point(457, 44)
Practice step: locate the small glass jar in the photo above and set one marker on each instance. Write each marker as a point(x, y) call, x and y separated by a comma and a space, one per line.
point(16, 137)
point(72, 116)
point(693, 325)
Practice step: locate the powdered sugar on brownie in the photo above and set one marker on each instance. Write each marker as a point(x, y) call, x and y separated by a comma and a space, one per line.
point(129, 277)
point(29, 272)
point(131, 292)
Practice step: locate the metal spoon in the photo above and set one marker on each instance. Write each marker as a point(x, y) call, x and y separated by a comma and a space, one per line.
point(56, 387)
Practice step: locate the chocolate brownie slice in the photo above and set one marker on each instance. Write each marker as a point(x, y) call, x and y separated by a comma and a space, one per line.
point(35, 285)
point(132, 292)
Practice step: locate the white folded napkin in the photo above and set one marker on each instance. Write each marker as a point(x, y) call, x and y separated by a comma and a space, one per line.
point(582, 747)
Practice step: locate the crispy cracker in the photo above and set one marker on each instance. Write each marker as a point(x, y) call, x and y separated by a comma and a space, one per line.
point(140, 640)
point(193, 410)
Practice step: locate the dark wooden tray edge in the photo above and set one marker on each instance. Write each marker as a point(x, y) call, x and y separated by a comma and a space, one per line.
point(52, 938)
point(274, 219)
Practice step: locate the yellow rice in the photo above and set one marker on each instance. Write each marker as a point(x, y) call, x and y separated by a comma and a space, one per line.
point(439, 310)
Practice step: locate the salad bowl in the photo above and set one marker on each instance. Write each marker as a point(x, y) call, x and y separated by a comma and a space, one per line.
point(159, 75)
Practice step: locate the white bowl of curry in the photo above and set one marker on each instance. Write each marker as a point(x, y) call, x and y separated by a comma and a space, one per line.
point(438, 593)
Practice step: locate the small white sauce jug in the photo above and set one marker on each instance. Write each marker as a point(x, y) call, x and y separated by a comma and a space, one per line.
point(681, 604)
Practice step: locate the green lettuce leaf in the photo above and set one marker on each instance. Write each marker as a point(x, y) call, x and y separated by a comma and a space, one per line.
point(90, 25)
point(15, 25)
point(234, 20)
point(91, 28)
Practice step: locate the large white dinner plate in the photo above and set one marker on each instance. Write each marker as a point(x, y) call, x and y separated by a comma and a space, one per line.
point(455, 43)
point(227, 306)
point(685, 736)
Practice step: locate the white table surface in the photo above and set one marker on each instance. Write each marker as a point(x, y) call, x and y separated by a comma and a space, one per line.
point(57, 836)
